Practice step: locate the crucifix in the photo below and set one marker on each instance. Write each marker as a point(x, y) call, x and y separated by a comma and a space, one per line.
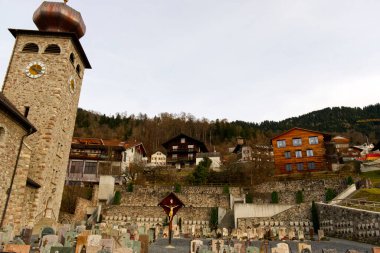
point(171, 204)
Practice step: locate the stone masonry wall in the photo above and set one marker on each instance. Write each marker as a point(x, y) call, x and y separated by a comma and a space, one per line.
point(117, 214)
point(191, 196)
point(313, 190)
point(9, 146)
point(349, 223)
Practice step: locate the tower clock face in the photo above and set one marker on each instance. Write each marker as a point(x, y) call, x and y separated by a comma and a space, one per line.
point(35, 69)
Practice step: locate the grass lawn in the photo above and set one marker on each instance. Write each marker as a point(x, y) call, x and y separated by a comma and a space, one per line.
point(373, 175)
point(372, 194)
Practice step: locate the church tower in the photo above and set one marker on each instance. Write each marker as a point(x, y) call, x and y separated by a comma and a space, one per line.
point(44, 79)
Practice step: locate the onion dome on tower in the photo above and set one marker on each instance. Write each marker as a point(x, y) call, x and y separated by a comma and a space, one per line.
point(59, 17)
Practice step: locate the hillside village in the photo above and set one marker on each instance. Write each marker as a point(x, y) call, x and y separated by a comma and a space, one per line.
point(76, 181)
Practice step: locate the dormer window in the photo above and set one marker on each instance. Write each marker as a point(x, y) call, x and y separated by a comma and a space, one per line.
point(52, 49)
point(183, 140)
point(30, 48)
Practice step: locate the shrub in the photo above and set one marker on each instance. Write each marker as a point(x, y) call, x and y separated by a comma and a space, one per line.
point(226, 189)
point(249, 198)
point(274, 197)
point(117, 198)
point(314, 216)
point(214, 218)
point(330, 194)
point(349, 180)
point(177, 188)
point(130, 187)
point(299, 197)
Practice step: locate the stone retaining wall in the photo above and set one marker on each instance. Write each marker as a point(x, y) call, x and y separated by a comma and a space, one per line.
point(349, 223)
point(117, 214)
point(313, 190)
point(191, 196)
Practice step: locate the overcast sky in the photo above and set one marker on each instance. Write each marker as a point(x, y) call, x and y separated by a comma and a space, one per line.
point(250, 60)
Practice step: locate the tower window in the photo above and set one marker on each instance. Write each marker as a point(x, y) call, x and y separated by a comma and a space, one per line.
point(72, 58)
point(2, 134)
point(53, 49)
point(78, 69)
point(31, 48)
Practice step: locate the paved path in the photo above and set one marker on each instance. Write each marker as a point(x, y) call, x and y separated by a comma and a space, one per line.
point(183, 245)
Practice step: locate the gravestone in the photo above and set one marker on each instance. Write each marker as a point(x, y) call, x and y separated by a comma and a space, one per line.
point(281, 233)
point(217, 245)
point(252, 249)
point(304, 248)
point(26, 235)
point(136, 246)
point(284, 247)
point(144, 239)
point(108, 244)
point(54, 249)
point(321, 234)
point(278, 250)
point(93, 240)
point(300, 235)
point(16, 248)
point(260, 233)
point(81, 242)
point(194, 245)
point(80, 229)
point(329, 251)
point(47, 241)
point(225, 232)
point(123, 250)
point(292, 234)
point(238, 247)
point(70, 239)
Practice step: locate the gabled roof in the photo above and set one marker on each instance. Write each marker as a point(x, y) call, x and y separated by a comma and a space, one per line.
point(134, 143)
point(200, 144)
point(302, 129)
point(12, 111)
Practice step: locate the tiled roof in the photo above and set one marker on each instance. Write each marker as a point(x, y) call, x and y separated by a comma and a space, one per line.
point(11, 110)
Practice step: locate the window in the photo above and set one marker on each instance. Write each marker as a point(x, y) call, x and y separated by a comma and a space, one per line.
point(190, 156)
point(288, 167)
point(190, 146)
point(183, 140)
point(2, 134)
point(174, 156)
point(313, 140)
point(281, 144)
point(53, 49)
point(30, 48)
point(311, 165)
point(72, 57)
point(297, 142)
point(287, 154)
point(78, 69)
point(309, 153)
point(175, 147)
point(76, 167)
point(298, 153)
point(90, 168)
point(299, 166)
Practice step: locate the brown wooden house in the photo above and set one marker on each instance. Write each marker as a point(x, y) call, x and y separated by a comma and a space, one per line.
point(181, 150)
point(92, 157)
point(300, 150)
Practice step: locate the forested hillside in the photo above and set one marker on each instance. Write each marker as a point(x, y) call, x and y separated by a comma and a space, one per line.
point(222, 134)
